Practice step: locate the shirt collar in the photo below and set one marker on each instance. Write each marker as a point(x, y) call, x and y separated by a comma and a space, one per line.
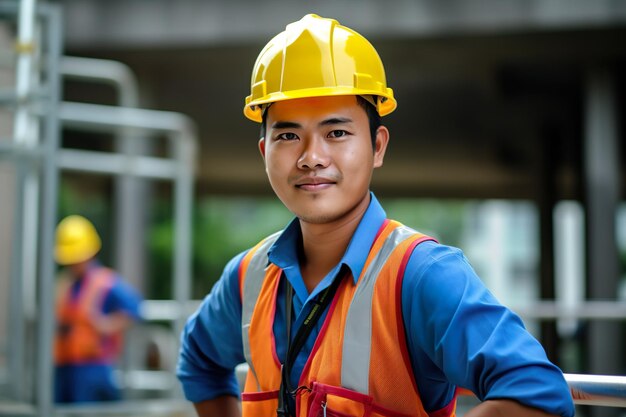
point(284, 252)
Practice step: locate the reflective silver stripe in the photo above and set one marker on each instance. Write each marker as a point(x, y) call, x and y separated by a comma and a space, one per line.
point(253, 281)
point(357, 339)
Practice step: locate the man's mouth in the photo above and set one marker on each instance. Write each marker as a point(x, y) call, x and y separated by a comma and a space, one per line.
point(314, 183)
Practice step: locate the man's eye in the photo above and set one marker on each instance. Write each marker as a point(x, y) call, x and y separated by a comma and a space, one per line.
point(337, 133)
point(287, 136)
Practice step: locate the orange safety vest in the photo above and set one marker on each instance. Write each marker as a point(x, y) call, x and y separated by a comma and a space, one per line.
point(77, 341)
point(359, 365)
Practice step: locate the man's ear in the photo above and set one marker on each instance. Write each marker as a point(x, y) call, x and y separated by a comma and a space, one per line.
point(380, 145)
point(262, 147)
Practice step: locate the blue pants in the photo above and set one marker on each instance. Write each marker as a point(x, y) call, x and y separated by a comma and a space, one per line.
point(85, 383)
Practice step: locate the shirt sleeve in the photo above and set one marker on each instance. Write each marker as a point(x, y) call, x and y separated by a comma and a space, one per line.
point(123, 297)
point(458, 334)
point(211, 343)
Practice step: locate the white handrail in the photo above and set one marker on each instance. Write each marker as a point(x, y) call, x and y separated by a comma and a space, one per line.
point(547, 310)
point(597, 390)
point(604, 390)
point(591, 310)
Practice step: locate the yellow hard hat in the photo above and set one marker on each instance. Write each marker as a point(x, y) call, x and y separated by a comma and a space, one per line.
point(76, 240)
point(316, 57)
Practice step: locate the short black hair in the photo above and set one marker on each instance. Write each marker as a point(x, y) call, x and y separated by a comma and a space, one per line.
point(372, 116)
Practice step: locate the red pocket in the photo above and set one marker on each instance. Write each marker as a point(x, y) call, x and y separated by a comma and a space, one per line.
point(329, 401)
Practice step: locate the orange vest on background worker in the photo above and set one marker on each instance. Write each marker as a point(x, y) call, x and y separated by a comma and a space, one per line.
point(359, 365)
point(77, 341)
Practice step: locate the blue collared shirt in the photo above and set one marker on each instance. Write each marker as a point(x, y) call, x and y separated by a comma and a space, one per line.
point(458, 334)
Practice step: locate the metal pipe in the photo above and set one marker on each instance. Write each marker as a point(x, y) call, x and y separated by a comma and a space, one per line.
point(589, 310)
point(16, 321)
point(130, 192)
point(107, 71)
point(50, 174)
point(24, 135)
point(139, 407)
point(26, 132)
point(98, 117)
point(110, 163)
point(167, 310)
point(91, 117)
point(182, 239)
point(25, 48)
point(601, 390)
point(181, 132)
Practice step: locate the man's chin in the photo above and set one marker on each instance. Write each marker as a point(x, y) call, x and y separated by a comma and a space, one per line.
point(316, 216)
point(317, 219)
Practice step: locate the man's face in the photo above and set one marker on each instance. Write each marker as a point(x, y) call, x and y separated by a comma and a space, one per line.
point(79, 269)
point(319, 157)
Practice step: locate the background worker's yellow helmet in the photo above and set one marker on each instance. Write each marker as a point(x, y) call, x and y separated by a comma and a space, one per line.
point(316, 57)
point(76, 240)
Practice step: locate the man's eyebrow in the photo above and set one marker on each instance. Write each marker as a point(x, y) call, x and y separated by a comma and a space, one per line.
point(335, 121)
point(285, 125)
point(293, 125)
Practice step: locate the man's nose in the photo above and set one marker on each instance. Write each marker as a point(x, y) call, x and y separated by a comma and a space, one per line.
point(314, 154)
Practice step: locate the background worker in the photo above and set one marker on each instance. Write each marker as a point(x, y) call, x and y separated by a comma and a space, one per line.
point(346, 312)
point(94, 307)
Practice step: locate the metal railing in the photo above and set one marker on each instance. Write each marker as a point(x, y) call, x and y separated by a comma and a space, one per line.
point(595, 390)
point(588, 310)
point(43, 161)
point(603, 390)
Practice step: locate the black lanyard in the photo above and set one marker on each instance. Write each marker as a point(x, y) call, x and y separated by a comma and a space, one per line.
point(319, 305)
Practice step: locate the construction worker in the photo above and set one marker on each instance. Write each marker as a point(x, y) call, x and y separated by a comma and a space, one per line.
point(345, 312)
point(94, 307)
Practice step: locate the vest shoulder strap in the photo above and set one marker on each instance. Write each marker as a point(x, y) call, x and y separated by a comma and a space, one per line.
point(357, 344)
point(252, 272)
point(100, 281)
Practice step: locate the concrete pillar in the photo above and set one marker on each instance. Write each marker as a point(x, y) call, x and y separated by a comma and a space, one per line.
point(601, 158)
point(546, 202)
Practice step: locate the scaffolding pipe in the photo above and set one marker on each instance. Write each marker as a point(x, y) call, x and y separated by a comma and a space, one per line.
point(16, 321)
point(129, 199)
point(114, 73)
point(588, 310)
point(26, 132)
point(181, 132)
point(98, 117)
point(46, 319)
point(24, 225)
point(25, 47)
point(46, 159)
point(596, 390)
point(110, 163)
point(600, 390)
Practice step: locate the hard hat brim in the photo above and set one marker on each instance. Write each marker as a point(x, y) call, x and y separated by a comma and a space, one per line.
point(70, 254)
point(252, 109)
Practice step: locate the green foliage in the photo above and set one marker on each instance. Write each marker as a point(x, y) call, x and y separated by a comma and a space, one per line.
point(222, 228)
point(441, 219)
point(225, 226)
